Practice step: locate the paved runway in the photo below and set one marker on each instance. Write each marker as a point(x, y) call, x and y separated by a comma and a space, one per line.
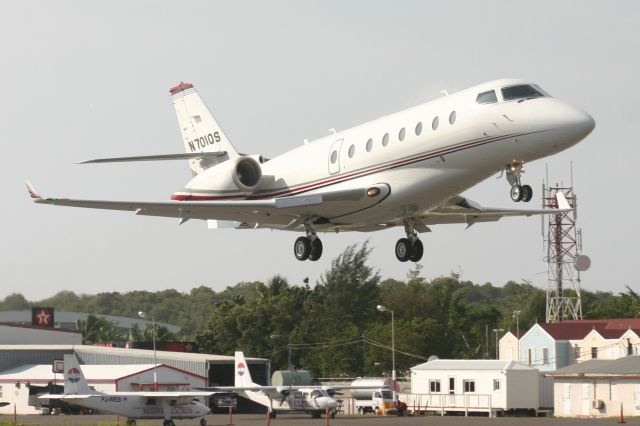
point(294, 420)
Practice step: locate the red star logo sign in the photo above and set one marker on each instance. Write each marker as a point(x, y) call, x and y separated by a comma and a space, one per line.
point(44, 318)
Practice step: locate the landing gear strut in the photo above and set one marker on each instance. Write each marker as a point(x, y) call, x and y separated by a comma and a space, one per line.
point(409, 248)
point(309, 247)
point(518, 191)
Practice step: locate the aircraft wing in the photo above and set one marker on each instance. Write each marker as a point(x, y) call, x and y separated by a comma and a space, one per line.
point(463, 210)
point(64, 396)
point(284, 211)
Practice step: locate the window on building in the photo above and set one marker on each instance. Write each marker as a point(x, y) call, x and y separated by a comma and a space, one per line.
point(419, 128)
point(496, 384)
point(594, 353)
point(385, 139)
point(452, 385)
point(577, 352)
point(434, 386)
point(530, 356)
point(402, 134)
point(545, 356)
point(469, 386)
point(369, 145)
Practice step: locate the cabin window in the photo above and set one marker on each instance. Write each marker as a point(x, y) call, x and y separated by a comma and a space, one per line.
point(435, 123)
point(434, 386)
point(487, 97)
point(150, 401)
point(385, 139)
point(418, 128)
point(352, 150)
point(469, 386)
point(369, 145)
point(496, 384)
point(594, 353)
point(452, 117)
point(520, 92)
point(401, 134)
point(334, 157)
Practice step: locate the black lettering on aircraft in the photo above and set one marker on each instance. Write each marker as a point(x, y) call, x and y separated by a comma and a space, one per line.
point(201, 142)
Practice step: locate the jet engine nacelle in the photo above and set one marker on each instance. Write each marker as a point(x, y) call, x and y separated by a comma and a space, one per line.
point(242, 173)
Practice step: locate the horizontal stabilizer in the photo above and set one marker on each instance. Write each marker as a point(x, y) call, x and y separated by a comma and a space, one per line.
point(161, 157)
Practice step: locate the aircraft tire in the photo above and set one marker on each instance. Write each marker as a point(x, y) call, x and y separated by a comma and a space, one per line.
point(417, 250)
point(516, 193)
point(316, 250)
point(403, 249)
point(131, 422)
point(302, 248)
point(527, 193)
point(203, 422)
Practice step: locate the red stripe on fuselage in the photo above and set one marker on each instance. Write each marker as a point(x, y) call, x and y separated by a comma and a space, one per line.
point(349, 176)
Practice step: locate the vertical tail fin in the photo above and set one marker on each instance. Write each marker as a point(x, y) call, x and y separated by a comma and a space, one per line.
point(74, 381)
point(242, 376)
point(200, 130)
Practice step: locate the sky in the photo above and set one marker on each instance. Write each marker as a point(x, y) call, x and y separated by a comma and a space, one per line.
point(86, 80)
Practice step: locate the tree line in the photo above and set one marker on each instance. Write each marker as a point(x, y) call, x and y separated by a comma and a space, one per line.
point(333, 328)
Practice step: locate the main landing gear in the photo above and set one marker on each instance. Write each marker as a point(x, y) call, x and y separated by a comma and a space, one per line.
point(309, 247)
point(518, 191)
point(409, 248)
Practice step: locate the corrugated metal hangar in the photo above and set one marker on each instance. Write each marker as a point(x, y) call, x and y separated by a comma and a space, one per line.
point(217, 369)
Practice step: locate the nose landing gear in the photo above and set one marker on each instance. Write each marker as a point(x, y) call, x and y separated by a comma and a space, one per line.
point(518, 191)
point(309, 247)
point(409, 248)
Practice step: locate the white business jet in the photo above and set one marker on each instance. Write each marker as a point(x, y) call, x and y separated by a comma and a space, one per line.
point(314, 400)
point(133, 405)
point(402, 170)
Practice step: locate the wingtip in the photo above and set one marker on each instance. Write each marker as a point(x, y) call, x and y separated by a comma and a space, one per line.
point(563, 204)
point(32, 191)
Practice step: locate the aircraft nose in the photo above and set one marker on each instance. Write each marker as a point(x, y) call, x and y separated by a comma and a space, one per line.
point(578, 122)
point(326, 402)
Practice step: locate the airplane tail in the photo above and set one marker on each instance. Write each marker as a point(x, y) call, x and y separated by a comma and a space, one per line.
point(74, 381)
point(200, 130)
point(242, 376)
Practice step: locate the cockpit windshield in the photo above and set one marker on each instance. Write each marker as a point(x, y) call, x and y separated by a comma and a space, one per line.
point(521, 91)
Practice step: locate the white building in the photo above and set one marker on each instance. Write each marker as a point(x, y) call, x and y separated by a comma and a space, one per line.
point(21, 386)
point(18, 334)
point(598, 388)
point(489, 386)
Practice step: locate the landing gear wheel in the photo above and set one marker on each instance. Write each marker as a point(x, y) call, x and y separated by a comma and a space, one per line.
point(403, 249)
point(333, 414)
point(527, 193)
point(168, 423)
point(302, 248)
point(316, 250)
point(417, 250)
point(516, 193)
point(131, 422)
point(203, 422)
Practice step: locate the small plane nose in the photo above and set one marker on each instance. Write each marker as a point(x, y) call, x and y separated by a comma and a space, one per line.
point(325, 402)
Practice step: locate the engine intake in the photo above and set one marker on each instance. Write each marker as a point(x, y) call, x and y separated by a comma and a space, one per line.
point(247, 174)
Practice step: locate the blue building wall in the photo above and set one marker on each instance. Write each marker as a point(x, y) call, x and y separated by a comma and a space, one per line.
point(537, 339)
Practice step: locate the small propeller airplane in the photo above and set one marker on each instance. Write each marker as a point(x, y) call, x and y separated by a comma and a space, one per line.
point(405, 170)
point(314, 400)
point(132, 405)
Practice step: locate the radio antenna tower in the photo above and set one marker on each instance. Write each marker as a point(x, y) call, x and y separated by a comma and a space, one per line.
point(564, 261)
